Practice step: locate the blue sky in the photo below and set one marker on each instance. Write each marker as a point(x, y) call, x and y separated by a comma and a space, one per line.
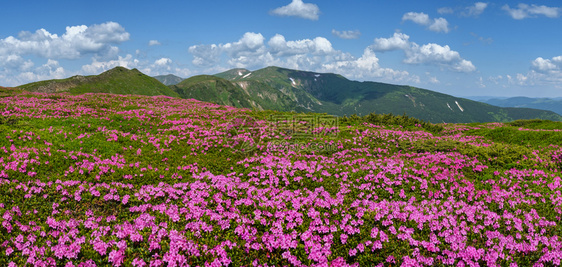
point(462, 48)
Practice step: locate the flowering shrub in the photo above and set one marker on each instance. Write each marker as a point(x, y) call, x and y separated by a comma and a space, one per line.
point(98, 180)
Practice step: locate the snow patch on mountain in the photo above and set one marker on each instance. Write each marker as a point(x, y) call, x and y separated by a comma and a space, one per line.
point(459, 106)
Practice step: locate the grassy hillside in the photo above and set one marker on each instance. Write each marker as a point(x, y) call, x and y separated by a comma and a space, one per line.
point(280, 89)
point(233, 74)
point(107, 180)
point(336, 95)
point(212, 89)
point(245, 94)
point(118, 80)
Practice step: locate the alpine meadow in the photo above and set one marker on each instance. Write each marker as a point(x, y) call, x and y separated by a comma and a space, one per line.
point(289, 133)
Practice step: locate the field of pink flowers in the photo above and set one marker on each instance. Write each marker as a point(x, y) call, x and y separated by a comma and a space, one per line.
point(109, 180)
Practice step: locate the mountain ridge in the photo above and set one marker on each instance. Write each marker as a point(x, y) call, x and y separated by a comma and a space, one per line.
point(334, 94)
point(244, 94)
point(118, 80)
point(284, 89)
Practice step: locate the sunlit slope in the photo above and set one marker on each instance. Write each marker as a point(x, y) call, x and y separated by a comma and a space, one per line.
point(243, 94)
point(118, 80)
point(336, 95)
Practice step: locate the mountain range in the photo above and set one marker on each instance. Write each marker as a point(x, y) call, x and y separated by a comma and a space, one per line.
point(169, 79)
point(299, 91)
point(552, 104)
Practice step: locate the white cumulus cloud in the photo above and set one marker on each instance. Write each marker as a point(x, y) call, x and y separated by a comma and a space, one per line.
point(298, 8)
point(367, 66)
point(347, 34)
point(439, 25)
point(249, 46)
point(475, 10)
point(77, 41)
point(548, 69)
point(543, 65)
point(527, 11)
point(159, 66)
point(205, 55)
point(439, 55)
point(96, 67)
point(317, 46)
point(316, 54)
point(419, 18)
point(396, 42)
point(14, 76)
point(429, 54)
point(163, 61)
point(15, 63)
point(153, 43)
point(543, 71)
point(436, 25)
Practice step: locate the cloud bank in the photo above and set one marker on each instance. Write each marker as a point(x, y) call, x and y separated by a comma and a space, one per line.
point(98, 41)
point(77, 41)
point(428, 54)
point(316, 54)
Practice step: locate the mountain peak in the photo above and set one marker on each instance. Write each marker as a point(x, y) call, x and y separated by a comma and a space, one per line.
point(118, 80)
point(234, 74)
point(118, 69)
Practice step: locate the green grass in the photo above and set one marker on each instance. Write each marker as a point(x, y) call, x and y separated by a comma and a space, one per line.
point(115, 81)
point(537, 124)
point(505, 153)
point(512, 135)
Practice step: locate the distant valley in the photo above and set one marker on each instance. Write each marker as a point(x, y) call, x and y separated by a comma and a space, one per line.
point(299, 91)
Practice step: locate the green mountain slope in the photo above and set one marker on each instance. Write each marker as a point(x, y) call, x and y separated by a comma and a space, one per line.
point(118, 80)
point(169, 79)
point(274, 88)
point(234, 74)
point(244, 94)
point(334, 94)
